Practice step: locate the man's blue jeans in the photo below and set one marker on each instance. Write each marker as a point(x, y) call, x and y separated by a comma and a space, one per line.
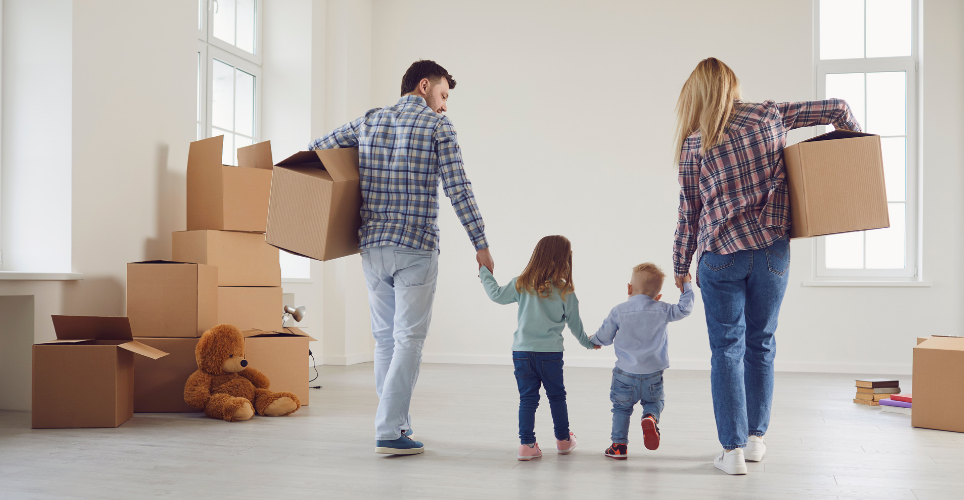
point(742, 293)
point(401, 291)
point(533, 369)
point(629, 388)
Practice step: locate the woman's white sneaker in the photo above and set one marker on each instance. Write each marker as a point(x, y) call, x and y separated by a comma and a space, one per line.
point(731, 462)
point(756, 447)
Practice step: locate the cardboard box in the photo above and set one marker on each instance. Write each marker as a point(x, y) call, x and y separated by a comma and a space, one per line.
point(282, 355)
point(223, 197)
point(159, 385)
point(250, 307)
point(314, 206)
point(242, 259)
point(171, 299)
point(85, 378)
point(836, 183)
point(939, 384)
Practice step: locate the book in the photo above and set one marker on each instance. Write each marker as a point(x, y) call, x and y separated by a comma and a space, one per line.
point(879, 390)
point(890, 402)
point(877, 382)
point(865, 402)
point(895, 409)
point(881, 397)
point(907, 398)
point(872, 397)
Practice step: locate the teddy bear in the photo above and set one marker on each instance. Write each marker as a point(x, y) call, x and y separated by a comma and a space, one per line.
point(225, 387)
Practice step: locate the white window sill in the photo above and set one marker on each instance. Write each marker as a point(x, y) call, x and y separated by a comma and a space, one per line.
point(22, 276)
point(297, 280)
point(882, 284)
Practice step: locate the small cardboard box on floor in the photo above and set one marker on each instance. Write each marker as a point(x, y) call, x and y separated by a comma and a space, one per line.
point(223, 197)
point(836, 184)
point(314, 204)
point(172, 299)
point(282, 355)
point(242, 259)
point(85, 378)
point(939, 384)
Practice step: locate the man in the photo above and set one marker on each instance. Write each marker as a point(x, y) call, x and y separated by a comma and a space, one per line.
point(403, 152)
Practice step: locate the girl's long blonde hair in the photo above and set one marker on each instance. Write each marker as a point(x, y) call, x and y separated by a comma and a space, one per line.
point(706, 104)
point(550, 267)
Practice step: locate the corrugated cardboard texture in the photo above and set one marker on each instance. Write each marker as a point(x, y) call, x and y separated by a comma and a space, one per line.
point(82, 385)
point(284, 359)
point(315, 203)
point(159, 385)
point(250, 307)
point(222, 197)
point(171, 299)
point(836, 184)
point(939, 384)
point(242, 259)
point(256, 156)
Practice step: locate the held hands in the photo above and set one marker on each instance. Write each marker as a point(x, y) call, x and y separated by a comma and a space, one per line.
point(484, 258)
point(683, 279)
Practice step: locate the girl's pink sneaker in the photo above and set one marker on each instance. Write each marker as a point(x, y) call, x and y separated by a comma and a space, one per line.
point(528, 453)
point(564, 447)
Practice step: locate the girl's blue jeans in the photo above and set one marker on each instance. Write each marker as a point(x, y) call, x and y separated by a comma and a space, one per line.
point(532, 370)
point(742, 293)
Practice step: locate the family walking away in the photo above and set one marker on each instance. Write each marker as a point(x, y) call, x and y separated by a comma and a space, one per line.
point(733, 221)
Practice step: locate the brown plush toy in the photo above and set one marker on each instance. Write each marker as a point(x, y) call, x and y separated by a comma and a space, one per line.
point(225, 387)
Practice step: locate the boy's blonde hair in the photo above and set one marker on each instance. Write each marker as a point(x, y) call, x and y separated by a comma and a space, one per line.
point(648, 279)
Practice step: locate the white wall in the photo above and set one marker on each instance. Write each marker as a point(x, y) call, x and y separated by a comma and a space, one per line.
point(565, 117)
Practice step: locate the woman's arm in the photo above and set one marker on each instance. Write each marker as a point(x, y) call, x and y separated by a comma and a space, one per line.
point(834, 112)
point(500, 295)
point(690, 206)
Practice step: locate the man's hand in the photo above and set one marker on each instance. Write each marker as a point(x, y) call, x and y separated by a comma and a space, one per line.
point(484, 258)
point(683, 279)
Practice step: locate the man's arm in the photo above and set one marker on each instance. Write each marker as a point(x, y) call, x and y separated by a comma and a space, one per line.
point(344, 136)
point(458, 188)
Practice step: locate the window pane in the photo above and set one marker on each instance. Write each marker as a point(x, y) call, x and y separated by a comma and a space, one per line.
point(886, 103)
point(227, 152)
point(246, 16)
point(841, 29)
point(224, 20)
point(893, 149)
point(200, 14)
point(885, 247)
point(240, 142)
point(845, 251)
point(244, 103)
point(222, 102)
point(200, 131)
point(295, 266)
point(888, 28)
point(849, 87)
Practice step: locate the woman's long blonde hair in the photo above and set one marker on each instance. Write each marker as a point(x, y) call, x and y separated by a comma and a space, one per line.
point(706, 104)
point(550, 267)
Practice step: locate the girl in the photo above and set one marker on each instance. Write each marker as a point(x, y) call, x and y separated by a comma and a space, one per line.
point(547, 303)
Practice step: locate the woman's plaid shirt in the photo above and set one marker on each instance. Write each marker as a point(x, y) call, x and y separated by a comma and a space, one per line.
point(403, 152)
point(735, 197)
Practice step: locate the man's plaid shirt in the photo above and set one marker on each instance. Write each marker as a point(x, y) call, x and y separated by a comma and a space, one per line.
point(735, 197)
point(403, 151)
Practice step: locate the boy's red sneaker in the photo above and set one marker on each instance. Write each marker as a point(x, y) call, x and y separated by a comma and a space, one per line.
point(617, 451)
point(650, 433)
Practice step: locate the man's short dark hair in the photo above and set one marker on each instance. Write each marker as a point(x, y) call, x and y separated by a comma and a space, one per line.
point(424, 69)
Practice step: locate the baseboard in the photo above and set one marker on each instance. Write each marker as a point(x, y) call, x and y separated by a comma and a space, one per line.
point(352, 359)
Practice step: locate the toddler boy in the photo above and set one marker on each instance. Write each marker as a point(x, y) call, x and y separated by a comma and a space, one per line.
point(641, 353)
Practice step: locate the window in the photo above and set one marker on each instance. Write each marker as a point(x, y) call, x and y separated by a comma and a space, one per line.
point(866, 53)
point(229, 73)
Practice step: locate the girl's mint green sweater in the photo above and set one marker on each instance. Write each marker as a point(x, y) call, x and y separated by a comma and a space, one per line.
point(541, 320)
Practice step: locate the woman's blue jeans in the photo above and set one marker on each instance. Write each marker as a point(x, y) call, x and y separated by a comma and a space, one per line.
point(742, 293)
point(533, 369)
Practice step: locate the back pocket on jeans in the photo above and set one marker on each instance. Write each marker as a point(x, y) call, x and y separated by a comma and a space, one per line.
point(778, 257)
point(716, 262)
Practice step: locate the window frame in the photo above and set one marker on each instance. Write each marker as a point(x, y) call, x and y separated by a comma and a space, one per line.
point(912, 213)
point(231, 49)
point(243, 65)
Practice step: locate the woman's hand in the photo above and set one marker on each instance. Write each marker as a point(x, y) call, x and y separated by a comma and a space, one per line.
point(683, 279)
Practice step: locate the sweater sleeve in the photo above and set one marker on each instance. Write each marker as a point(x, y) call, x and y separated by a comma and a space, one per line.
point(575, 322)
point(834, 112)
point(607, 332)
point(500, 295)
point(685, 306)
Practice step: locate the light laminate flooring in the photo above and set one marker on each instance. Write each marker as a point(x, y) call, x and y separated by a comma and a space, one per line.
point(820, 446)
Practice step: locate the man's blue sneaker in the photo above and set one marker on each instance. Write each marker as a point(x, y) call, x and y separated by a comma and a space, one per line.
point(401, 446)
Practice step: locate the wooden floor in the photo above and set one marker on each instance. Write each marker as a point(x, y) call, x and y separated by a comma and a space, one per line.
point(821, 445)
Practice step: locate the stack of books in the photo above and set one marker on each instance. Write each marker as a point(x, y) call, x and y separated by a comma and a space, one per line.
point(871, 391)
point(897, 403)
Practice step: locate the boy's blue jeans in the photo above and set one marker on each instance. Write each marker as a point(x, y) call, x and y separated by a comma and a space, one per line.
point(628, 389)
point(533, 369)
point(742, 293)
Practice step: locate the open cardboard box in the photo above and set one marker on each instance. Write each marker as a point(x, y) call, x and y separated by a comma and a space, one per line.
point(171, 299)
point(159, 385)
point(223, 197)
point(836, 184)
point(85, 378)
point(314, 204)
point(282, 355)
point(939, 383)
point(242, 259)
point(250, 307)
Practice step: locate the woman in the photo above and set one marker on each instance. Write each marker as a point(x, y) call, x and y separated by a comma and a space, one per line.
point(734, 215)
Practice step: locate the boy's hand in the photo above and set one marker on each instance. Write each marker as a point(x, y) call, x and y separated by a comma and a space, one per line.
point(596, 347)
point(683, 279)
point(688, 278)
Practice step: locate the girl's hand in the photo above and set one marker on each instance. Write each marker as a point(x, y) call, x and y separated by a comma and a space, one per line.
point(596, 347)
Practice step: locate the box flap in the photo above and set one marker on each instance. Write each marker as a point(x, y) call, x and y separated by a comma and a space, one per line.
point(289, 331)
point(143, 349)
point(163, 262)
point(256, 156)
point(943, 344)
point(92, 327)
point(63, 341)
point(838, 134)
point(294, 330)
point(301, 157)
point(341, 163)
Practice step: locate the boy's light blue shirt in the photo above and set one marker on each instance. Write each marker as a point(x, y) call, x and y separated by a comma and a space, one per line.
point(641, 344)
point(541, 320)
